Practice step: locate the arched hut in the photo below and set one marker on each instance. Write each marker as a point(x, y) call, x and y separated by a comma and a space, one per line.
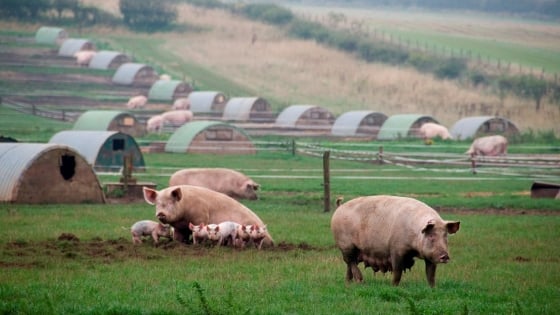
point(254, 109)
point(106, 59)
point(305, 116)
point(403, 126)
point(104, 150)
point(478, 126)
point(110, 120)
point(34, 173)
point(210, 137)
point(72, 45)
point(135, 74)
point(207, 101)
point(358, 123)
point(169, 90)
point(50, 35)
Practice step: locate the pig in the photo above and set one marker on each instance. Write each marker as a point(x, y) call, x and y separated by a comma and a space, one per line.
point(431, 130)
point(224, 233)
point(243, 235)
point(165, 77)
point(227, 181)
point(138, 101)
point(154, 124)
point(199, 233)
point(177, 117)
point(258, 234)
point(150, 228)
point(83, 57)
point(489, 145)
point(181, 103)
point(179, 205)
point(387, 232)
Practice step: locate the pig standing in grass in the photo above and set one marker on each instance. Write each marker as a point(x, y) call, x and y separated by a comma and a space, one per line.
point(83, 57)
point(243, 235)
point(258, 234)
point(154, 124)
point(387, 232)
point(432, 130)
point(224, 233)
point(181, 103)
point(199, 233)
point(184, 204)
point(223, 180)
point(490, 145)
point(177, 117)
point(150, 228)
point(138, 101)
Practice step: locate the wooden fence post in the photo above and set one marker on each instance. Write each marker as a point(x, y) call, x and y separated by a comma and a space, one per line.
point(326, 181)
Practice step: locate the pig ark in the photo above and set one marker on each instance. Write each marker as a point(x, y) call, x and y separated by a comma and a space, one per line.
point(223, 180)
point(184, 204)
point(387, 232)
point(150, 228)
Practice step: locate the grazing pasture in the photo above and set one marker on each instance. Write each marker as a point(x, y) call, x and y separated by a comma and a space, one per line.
point(80, 258)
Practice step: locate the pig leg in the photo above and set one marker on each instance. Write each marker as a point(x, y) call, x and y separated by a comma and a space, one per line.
point(155, 237)
point(136, 239)
point(352, 270)
point(431, 273)
point(397, 269)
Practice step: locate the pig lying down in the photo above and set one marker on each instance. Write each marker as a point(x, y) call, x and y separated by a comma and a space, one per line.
point(184, 204)
point(226, 181)
point(150, 228)
point(387, 233)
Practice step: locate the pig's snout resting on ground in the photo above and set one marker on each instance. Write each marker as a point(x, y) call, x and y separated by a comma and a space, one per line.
point(150, 228)
point(184, 204)
point(387, 232)
point(227, 181)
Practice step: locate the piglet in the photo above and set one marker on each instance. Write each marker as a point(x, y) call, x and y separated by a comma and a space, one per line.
point(258, 234)
point(224, 233)
point(199, 233)
point(150, 228)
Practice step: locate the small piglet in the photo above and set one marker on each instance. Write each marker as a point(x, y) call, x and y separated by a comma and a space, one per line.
point(224, 233)
point(258, 234)
point(199, 233)
point(150, 228)
point(243, 235)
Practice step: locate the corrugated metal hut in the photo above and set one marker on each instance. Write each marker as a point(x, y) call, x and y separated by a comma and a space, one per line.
point(207, 101)
point(358, 123)
point(72, 45)
point(46, 173)
point(104, 150)
point(403, 126)
point(106, 59)
point(110, 120)
point(50, 35)
point(210, 137)
point(305, 116)
point(247, 109)
point(136, 74)
point(478, 126)
point(169, 90)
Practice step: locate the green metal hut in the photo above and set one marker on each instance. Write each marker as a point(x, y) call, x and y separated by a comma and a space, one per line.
point(210, 137)
point(50, 35)
point(104, 150)
point(403, 126)
point(169, 90)
point(110, 120)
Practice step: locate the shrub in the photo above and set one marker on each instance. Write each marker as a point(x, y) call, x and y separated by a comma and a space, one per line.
point(148, 15)
point(450, 68)
point(269, 13)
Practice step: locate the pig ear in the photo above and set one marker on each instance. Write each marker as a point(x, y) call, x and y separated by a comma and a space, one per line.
point(429, 226)
point(453, 227)
point(191, 226)
point(176, 194)
point(150, 195)
point(256, 186)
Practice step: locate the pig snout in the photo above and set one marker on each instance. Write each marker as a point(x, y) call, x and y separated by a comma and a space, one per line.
point(162, 217)
point(444, 258)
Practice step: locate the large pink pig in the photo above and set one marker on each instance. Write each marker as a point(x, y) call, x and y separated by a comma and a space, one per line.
point(177, 117)
point(224, 180)
point(387, 232)
point(184, 204)
point(431, 130)
point(489, 145)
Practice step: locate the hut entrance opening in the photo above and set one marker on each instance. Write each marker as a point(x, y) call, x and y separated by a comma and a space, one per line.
point(67, 166)
point(219, 134)
point(118, 144)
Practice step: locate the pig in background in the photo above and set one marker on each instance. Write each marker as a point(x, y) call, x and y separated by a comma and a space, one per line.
point(182, 205)
point(138, 101)
point(226, 181)
point(150, 228)
point(430, 130)
point(387, 233)
point(489, 146)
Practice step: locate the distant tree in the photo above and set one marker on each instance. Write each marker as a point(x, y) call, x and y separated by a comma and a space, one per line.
point(531, 87)
point(148, 15)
